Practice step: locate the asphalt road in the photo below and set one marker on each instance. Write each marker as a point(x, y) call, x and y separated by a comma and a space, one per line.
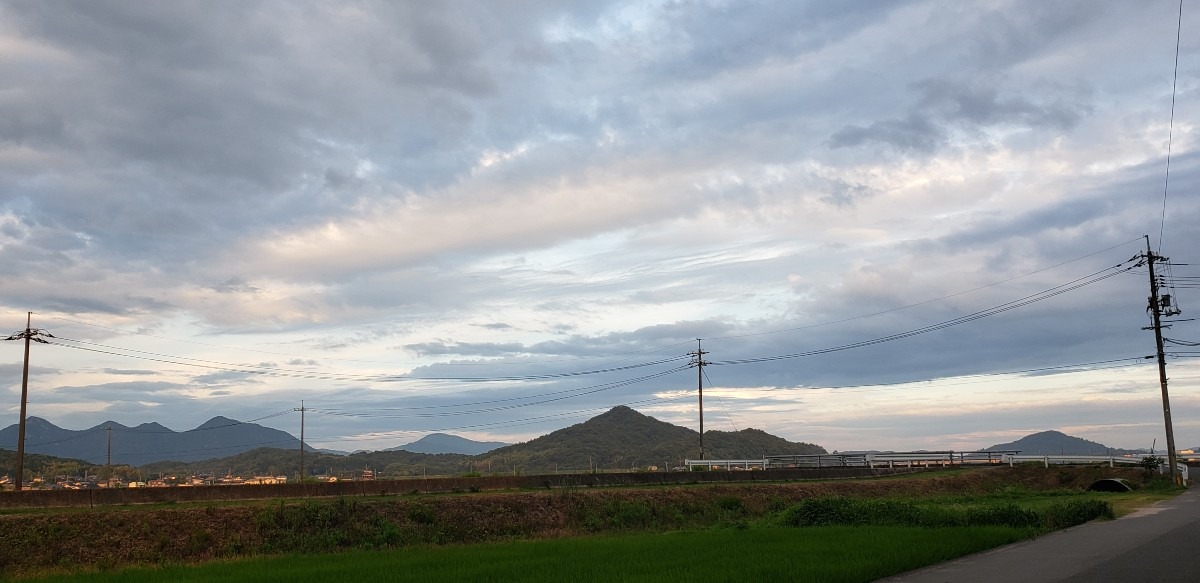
point(1157, 543)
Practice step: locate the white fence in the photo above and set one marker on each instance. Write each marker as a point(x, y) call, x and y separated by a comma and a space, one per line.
point(1112, 461)
point(916, 459)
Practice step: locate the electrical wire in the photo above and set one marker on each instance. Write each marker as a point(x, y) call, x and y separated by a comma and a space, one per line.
point(274, 371)
point(629, 354)
point(601, 388)
point(728, 416)
point(580, 390)
point(946, 297)
point(1018, 303)
point(1171, 125)
point(491, 425)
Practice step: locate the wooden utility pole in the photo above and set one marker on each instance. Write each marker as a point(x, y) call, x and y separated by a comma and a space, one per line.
point(301, 410)
point(1155, 307)
point(24, 401)
point(699, 363)
point(30, 334)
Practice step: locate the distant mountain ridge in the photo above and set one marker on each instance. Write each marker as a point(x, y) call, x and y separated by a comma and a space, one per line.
point(446, 443)
point(618, 439)
point(1059, 443)
point(148, 442)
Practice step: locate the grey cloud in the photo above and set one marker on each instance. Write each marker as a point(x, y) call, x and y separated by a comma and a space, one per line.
point(983, 105)
point(14, 370)
point(130, 372)
point(723, 36)
point(226, 378)
point(103, 391)
point(915, 133)
point(235, 285)
point(944, 104)
point(495, 326)
point(1002, 38)
point(483, 349)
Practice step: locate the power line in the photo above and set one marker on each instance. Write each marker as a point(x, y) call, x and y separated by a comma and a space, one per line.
point(600, 388)
point(1171, 126)
point(275, 371)
point(629, 354)
point(1018, 303)
point(922, 303)
point(1091, 366)
point(580, 390)
point(510, 423)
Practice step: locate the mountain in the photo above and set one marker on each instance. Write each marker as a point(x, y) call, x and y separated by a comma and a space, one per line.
point(624, 438)
point(618, 439)
point(1058, 443)
point(446, 443)
point(146, 443)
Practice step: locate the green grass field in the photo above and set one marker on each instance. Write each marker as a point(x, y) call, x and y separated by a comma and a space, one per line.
point(769, 553)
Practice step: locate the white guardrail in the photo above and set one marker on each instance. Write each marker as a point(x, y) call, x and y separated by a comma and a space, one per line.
point(914, 459)
point(1093, 459)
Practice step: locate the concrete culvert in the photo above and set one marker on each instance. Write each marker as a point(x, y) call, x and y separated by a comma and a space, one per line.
point(1110, 485)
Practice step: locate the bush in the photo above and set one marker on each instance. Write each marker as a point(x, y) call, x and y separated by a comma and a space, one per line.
point(1152, 462)
point(1073, 512)
point(852, 512)
point(1002, 515)
point(883, 512)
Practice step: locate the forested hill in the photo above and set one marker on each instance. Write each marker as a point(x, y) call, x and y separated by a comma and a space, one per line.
point(1059, 443)
point(624, 438)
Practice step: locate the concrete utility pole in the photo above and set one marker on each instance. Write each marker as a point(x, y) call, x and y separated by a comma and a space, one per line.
point(699, 363)
point(30, 334)
point(1157, 303)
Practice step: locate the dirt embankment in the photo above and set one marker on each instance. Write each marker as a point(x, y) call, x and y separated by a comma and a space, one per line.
point(107, 538)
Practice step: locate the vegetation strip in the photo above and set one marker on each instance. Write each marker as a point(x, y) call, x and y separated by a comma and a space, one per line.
point(109, 539)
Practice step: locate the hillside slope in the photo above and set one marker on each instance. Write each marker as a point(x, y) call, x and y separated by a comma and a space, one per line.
point(1059, 443)
point(624, 438)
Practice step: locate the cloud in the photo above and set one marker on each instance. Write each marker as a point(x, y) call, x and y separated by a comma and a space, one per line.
point(476, 190)
point(131, 372)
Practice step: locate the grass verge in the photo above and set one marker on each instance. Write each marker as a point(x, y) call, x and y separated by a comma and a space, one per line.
point(769, 553)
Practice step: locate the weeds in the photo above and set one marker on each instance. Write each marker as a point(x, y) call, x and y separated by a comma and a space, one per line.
point(839, 511)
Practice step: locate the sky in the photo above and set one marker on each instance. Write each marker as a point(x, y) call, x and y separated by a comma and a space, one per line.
point(890, 225)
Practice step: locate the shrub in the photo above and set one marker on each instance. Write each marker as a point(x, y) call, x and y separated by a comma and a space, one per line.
point(1002, 515)
point(852, 512)
point(1073, 512)
point(883, 512)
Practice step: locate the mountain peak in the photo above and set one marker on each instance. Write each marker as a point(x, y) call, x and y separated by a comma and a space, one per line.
point(218, 421)
point(436, 443)
point(1053, 442)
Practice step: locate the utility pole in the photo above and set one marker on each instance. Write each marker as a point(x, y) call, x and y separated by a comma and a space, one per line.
point(109, 463)
point(301, 410)
point(699, 362)
point(29, 334)
point(1157, 303)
